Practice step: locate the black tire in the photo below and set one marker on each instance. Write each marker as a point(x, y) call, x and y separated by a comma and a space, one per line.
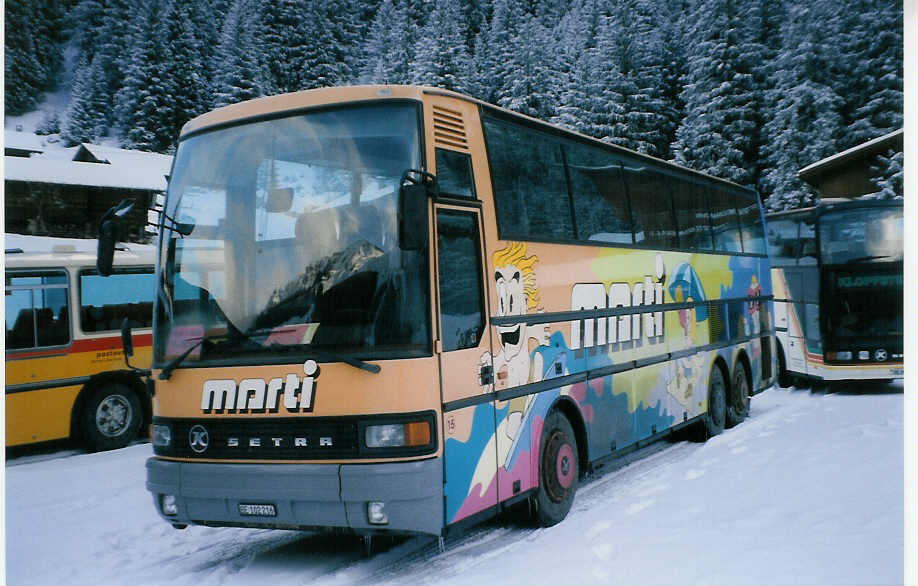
point(784, 378)
point(558, 471)
point(738, 403)
point(714, 420)
point(111, 417)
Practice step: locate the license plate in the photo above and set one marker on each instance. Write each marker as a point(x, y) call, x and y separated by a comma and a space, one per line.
point(251, 510)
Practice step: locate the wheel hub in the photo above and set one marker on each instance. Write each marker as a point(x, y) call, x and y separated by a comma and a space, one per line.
point(560, 469)
point(113, 415)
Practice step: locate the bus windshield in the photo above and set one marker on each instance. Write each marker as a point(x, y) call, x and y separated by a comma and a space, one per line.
point(862, 235)
point(289, 240)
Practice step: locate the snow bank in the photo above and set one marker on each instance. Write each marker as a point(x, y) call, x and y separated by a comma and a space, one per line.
point(807, 491)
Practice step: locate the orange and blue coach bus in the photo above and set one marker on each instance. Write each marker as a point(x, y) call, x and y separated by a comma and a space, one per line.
point(401, 309)
point(64, 364)
point(837, 273)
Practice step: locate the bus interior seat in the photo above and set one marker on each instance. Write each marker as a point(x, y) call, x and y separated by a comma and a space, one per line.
point(23, 334)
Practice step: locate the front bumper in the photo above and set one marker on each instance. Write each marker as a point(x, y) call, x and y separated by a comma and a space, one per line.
point(873, 371)
point(305, 496)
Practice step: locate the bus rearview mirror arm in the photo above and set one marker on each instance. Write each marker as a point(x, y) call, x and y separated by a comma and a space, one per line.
point(415, 189)
point(109, 232)
point(127, 344)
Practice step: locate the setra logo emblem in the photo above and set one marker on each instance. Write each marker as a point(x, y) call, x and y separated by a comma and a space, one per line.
point(198, 439)
point(880, 355)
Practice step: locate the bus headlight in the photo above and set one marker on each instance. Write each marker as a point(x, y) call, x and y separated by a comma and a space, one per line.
point(843, 355)
point(162, 435)
point(398, 435)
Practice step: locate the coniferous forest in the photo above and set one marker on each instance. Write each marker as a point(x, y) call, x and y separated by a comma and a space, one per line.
point(748, 90)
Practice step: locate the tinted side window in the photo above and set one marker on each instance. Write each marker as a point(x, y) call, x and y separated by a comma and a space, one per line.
point(106, 301)
point(598, 192)
point(454, 173)
point(37, 310)
point(725, 221)
point(461, 297)
point(782, 242)
point(751, 224)
point(807, 242)
point(692, 217)
point(530, 188)
point(651, 206)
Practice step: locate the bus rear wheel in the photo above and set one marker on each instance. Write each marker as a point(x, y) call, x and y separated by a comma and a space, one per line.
point(738, 405)
point(111, 417)
point(715, 418)
point(558, 471)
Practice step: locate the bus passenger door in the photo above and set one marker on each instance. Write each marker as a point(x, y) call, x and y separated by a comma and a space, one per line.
point(466, 373)
point(796, 322)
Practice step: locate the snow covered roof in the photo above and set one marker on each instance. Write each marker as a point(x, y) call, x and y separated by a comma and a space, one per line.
point(22, 141)
point(24, 250)
point(31, 243)
point(127, 169)
point(869, 148)
point(116, 156)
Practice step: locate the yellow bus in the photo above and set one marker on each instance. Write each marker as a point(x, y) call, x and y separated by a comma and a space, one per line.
point(64, 365)
point(396, 308)
point(837, 273)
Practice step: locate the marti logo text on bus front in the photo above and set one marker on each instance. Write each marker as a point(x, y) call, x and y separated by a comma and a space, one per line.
point(258, 395)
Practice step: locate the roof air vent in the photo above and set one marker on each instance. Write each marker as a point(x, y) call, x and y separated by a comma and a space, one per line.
point(449, 128)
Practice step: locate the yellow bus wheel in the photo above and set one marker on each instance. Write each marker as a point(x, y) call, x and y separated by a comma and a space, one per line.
point(111, 417)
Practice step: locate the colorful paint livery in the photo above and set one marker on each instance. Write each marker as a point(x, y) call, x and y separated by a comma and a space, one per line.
point(65, 371)
point(400, 309)
point(617, 410)
point(837, 273)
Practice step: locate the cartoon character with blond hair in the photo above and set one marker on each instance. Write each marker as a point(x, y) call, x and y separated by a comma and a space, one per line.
point(517, 295)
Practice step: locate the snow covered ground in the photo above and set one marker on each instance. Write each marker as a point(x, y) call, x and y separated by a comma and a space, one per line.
point(809, 490)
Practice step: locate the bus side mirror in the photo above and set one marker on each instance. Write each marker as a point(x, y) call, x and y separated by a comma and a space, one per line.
point(127, 343)
point(109, 231)
point(412, 229)
point(412, 208)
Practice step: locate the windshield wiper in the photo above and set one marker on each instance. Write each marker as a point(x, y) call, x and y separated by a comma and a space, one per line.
point(329, 356)
point(321, 355)
point(166, 372)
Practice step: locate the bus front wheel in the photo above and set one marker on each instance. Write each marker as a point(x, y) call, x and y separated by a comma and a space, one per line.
point(111, 417)
point(558, 470)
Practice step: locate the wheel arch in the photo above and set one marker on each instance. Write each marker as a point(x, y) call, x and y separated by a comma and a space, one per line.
point(569, 408)
point(721, 363)
point(742, 357)
point(126, 377)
